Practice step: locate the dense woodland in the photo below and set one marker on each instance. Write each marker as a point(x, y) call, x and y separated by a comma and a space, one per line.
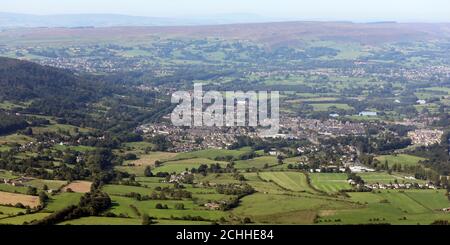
point(73, 98)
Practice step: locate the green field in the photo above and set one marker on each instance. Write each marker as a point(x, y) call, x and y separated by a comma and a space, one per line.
point(395, 207)
point(289, 180)
point(123, 189)
point(51, 184)
point(59, 128)
point(4, 148)
point(215, 153)
point(330, 182)
point(38, 183)
point(285, 209)
point(128, 221)
point(7, 175)
point(15, 138)
point(138, 166)
point(258, 162)
point(202, 198)
point(122, 205)
point(384, 178)
point(439, 89)
point(431, 199)
point(138, 146)
point(217, 178)
point(151, 158)
point(263, 186)
point(19, 220)
point(62, 200)
point(181, 165)
point(13, 189)
point(327, 106)
point(6, 105)
point(400, 159)
point(79, 148)
point(7, 211)
point(103, 221)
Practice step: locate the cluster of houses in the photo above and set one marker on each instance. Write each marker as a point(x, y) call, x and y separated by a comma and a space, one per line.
point(420, 122)
point(186, 140)
point(214, 205)
point(330, 127)
point(426, 136)
point(93, 65)
point(353, 167)
point(32, 145)
point(179, 178)
point(17, 182)
point(395, 186)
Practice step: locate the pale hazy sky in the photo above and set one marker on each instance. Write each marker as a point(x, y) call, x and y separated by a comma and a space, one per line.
point(356, 10)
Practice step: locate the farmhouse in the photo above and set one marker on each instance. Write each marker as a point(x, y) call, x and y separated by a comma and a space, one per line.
point(426, 137)
point(212, 206)
point(361, 169)
point(274, 152)
point(421, 102)
point(19, 182)
point(368, 114)
point(179, 178)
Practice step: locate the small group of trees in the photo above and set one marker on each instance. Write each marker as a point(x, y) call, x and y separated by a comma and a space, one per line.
point(240, 190)
point(213, 168)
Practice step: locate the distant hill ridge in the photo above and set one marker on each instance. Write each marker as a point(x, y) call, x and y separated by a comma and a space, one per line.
point(108, 20)
point(273, 33)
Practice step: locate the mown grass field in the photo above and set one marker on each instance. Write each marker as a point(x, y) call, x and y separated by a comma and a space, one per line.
point(262, 186)
point(385, 178)
point(289, 180)
point(285, 209)
point(431, 199)
point(62, 200)
point(400, 159)
point(330, 182)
